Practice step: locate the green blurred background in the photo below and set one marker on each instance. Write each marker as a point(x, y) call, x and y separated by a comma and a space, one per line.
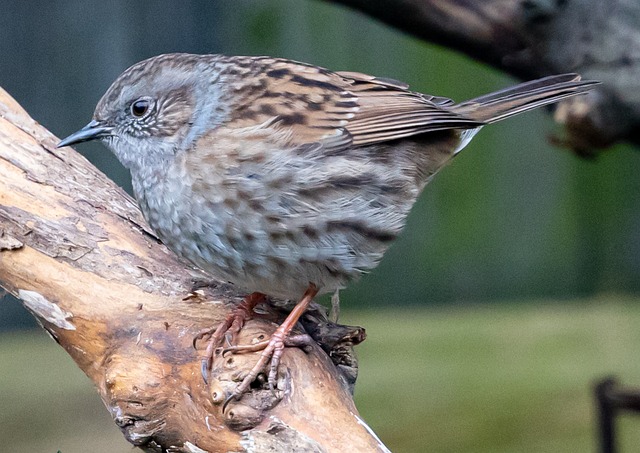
point(513, 288)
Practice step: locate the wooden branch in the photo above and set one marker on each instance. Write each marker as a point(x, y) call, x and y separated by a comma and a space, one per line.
point(74, 248)
point(533, 38)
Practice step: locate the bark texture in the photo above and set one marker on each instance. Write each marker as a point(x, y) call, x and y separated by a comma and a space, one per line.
point(75, 250)
point(533, 38)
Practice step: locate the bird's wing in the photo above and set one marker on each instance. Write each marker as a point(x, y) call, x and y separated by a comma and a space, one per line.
point(337, 109)
point(388, 110)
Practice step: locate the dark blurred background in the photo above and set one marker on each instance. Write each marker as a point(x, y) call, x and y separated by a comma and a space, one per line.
point(513, 224)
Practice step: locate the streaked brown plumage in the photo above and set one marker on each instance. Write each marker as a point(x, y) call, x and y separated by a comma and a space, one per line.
point(282, 177)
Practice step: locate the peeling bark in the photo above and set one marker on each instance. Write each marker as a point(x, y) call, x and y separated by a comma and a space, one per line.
point(75, 249)
point(534, 38)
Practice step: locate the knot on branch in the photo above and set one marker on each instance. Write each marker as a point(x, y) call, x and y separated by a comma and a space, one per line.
point(136, 394)
point(230, 369)
point(336, 341)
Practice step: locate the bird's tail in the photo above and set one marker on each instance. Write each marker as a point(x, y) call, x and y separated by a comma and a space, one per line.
point(502, 104)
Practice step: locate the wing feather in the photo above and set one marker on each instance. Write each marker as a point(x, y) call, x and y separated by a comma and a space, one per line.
point(319, 105)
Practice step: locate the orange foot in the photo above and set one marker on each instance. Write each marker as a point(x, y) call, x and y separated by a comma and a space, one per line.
point(228, 330)
point(272, 349)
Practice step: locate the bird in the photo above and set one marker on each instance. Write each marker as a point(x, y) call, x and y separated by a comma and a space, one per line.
point(284, 178)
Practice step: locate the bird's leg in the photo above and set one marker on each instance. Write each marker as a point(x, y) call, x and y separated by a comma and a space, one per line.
point(273, 348)
point(228, 330)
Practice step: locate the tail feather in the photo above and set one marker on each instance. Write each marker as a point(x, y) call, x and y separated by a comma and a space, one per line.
point(502, 104)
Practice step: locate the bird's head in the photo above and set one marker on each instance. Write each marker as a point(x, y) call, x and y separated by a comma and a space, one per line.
point(147, 113)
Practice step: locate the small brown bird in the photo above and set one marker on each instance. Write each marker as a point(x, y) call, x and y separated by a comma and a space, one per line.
point(284, 178)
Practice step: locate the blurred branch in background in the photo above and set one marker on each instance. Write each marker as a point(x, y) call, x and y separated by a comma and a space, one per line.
point(533, 38)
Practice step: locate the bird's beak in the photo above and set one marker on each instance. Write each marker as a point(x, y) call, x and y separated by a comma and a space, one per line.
point(91, 131)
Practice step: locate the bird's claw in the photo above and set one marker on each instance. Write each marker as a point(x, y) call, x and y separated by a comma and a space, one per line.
point(272, 351)
point(205, 366)
point(204, 333)
point(225, 332)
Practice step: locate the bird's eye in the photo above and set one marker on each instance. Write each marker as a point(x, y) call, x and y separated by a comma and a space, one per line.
point(140, 107)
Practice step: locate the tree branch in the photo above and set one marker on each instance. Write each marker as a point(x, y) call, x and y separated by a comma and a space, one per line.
point(74, 248)
point(534, 38)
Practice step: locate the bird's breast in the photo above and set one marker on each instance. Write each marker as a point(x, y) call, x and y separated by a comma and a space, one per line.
point(277, 223)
